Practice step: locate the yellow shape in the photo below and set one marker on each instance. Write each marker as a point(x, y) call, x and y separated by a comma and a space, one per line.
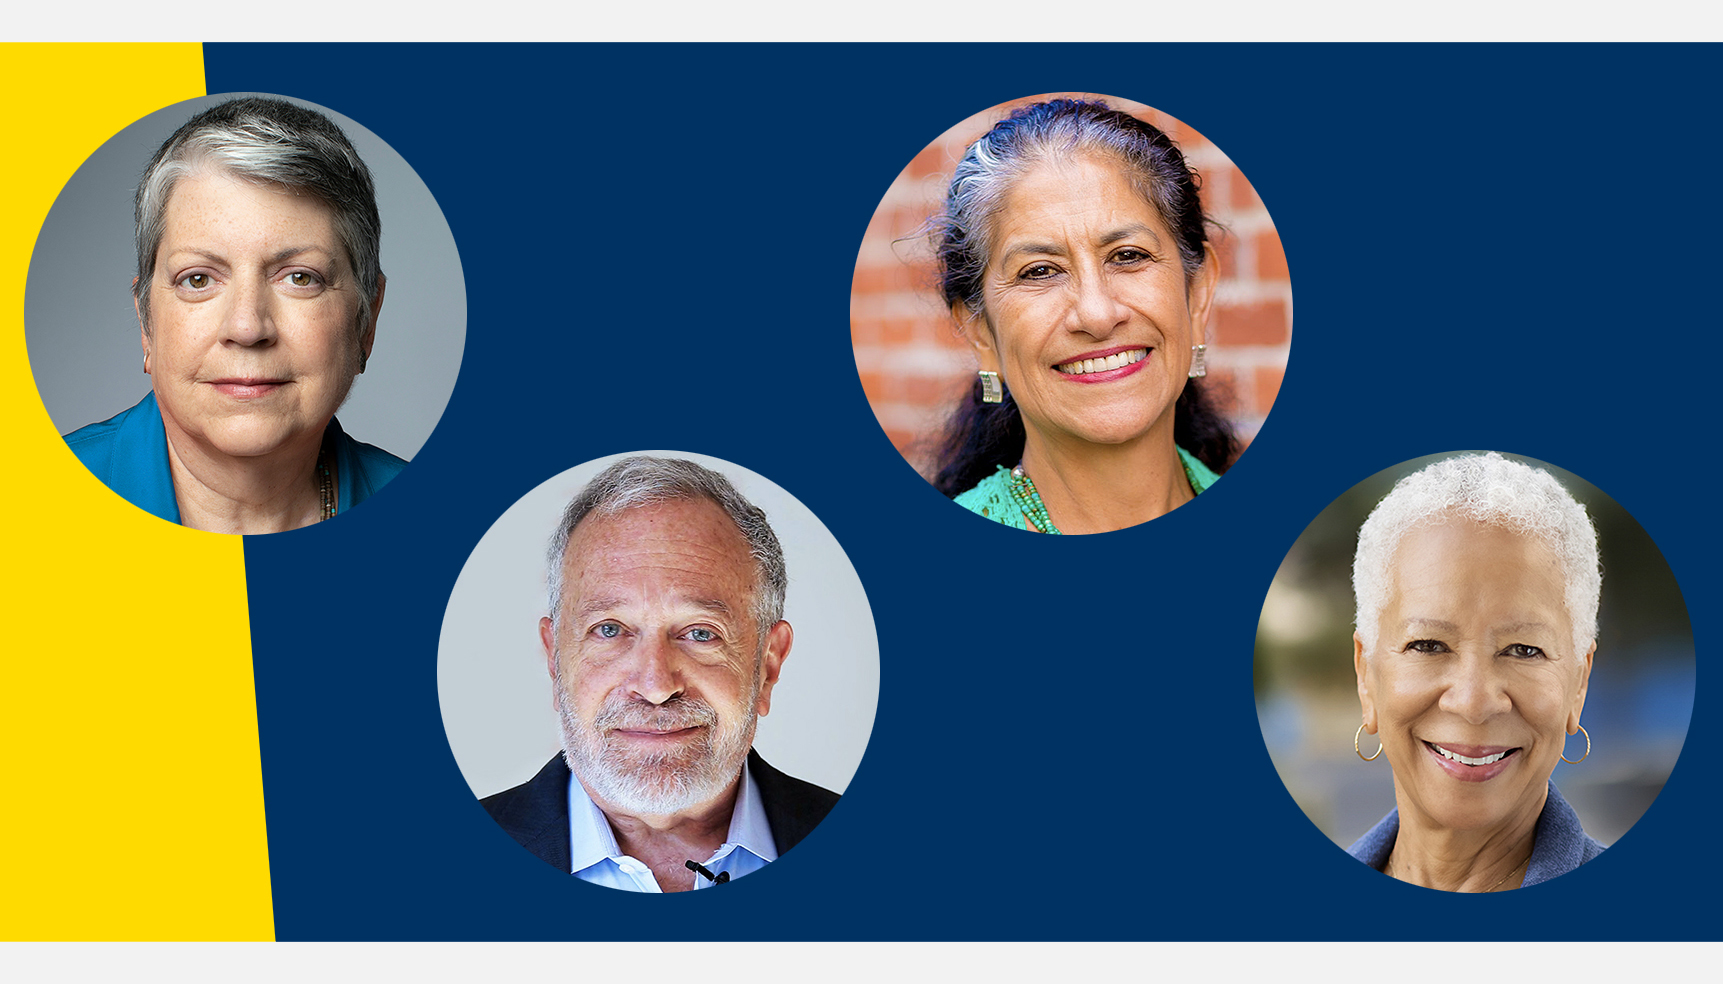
point(131, 792)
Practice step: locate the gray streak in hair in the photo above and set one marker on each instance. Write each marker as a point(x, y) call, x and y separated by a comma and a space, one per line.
point(644, 481)
point(266, 141)
point(1058, 132)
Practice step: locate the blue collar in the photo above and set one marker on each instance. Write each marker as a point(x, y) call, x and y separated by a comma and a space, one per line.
point(1559, 844)
point(593, 844)
point(129, 454)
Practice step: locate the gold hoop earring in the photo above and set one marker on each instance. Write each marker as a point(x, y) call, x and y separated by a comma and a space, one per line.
point(1582, 758)
point(1359, 737)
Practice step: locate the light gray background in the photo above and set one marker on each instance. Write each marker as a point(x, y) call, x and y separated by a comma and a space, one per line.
point(83, 331)
point(496, 693)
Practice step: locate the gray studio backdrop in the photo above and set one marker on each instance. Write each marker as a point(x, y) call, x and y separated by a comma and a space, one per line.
point(1637, 705)
point(83, 332)
point(496, 694)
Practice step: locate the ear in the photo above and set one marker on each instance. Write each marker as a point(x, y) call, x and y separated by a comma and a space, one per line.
point(547, 639)
point(143, 333)
point(978, 333)
point(1200, 298)
point(370, 337)
point(1579, 699)
point(1361, 667)
point(778, 639)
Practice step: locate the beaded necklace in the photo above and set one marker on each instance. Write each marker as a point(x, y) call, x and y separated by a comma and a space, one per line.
point(1023, 490)
point(325, 483)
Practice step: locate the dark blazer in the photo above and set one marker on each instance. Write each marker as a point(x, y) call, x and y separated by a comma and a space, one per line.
point(536, 811)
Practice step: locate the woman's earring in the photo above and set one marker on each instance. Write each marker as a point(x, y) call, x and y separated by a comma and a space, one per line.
point(1358, 737)
point(992, 391)
point(1582, 758)
point(1199, 361)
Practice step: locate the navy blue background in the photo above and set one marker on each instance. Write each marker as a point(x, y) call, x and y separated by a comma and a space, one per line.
point(1500, 247)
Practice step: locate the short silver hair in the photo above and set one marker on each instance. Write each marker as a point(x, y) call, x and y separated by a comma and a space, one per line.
point(1490, 489)
point(645, 481)
point(266, 141)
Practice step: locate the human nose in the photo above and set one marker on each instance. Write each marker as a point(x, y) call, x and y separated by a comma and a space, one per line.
point(250, 314)
point(1474, 690)
point(657, 675)
point(1098, 310)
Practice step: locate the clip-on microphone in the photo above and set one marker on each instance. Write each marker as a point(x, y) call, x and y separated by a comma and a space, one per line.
point(717, 879)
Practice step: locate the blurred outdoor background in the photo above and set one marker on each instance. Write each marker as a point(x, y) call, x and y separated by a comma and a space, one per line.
point(912, 361)
point(1637, 708)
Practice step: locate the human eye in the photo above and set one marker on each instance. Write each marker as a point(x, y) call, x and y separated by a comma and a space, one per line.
point(607, 630)
point(302, 279)
point(1520, 650)
point(1037, 271)
point(1426, 646)
point(1131, 256)
point(700, 634)
point(195, 281)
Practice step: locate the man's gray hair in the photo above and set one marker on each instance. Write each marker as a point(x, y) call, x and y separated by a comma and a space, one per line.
point(1489, 489)
point(274, 142)
point(644, 481)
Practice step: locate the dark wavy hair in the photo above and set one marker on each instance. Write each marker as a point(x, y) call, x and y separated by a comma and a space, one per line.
point(980, 437)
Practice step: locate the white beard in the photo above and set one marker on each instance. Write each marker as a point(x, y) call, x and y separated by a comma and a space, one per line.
point(655, 784)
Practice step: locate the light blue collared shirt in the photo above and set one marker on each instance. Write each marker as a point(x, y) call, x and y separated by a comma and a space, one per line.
point(596, 857)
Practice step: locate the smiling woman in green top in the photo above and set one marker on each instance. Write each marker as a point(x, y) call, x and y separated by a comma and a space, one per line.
point(1074, 255)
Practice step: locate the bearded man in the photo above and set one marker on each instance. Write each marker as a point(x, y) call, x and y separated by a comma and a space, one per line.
point(664, 640)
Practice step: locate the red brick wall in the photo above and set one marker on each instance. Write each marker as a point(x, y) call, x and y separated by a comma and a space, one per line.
point(914, 365)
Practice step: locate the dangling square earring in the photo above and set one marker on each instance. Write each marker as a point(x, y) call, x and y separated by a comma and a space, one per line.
point(1199, 361)
point(992, 391)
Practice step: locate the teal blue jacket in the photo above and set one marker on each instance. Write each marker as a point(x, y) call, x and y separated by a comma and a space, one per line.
point(129, 453)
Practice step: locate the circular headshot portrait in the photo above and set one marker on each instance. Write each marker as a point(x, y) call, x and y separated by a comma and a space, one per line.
point(658, 672)
point(1071, 313)
point(265, 263)
point(1474, 672)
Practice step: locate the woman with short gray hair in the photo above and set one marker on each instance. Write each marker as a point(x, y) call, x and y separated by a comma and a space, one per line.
point(1477, 584)
point(257, 293)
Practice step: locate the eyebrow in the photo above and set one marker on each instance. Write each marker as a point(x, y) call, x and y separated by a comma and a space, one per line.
point(1045, 249)
point(597, 605)
point(278, 256)
point(1126, 232)
point(1444, 626)
point(1513, 627)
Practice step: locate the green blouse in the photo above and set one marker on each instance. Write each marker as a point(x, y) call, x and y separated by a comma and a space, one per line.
point(992, 496)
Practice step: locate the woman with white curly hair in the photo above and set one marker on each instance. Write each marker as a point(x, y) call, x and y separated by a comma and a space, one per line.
point(1477, 585)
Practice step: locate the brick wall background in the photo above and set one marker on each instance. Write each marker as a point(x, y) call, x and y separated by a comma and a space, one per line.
point(914, 364)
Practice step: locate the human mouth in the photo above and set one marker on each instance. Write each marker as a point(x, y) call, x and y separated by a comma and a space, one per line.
point(1472, 763)
point(247, 387)
point(1103, 362)
point(658, 735)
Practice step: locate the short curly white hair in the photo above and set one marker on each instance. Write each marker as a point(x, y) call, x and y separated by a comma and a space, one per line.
point(1485, 488)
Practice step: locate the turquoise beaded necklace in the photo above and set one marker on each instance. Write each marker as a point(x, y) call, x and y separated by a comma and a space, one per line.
point(1023, 490)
